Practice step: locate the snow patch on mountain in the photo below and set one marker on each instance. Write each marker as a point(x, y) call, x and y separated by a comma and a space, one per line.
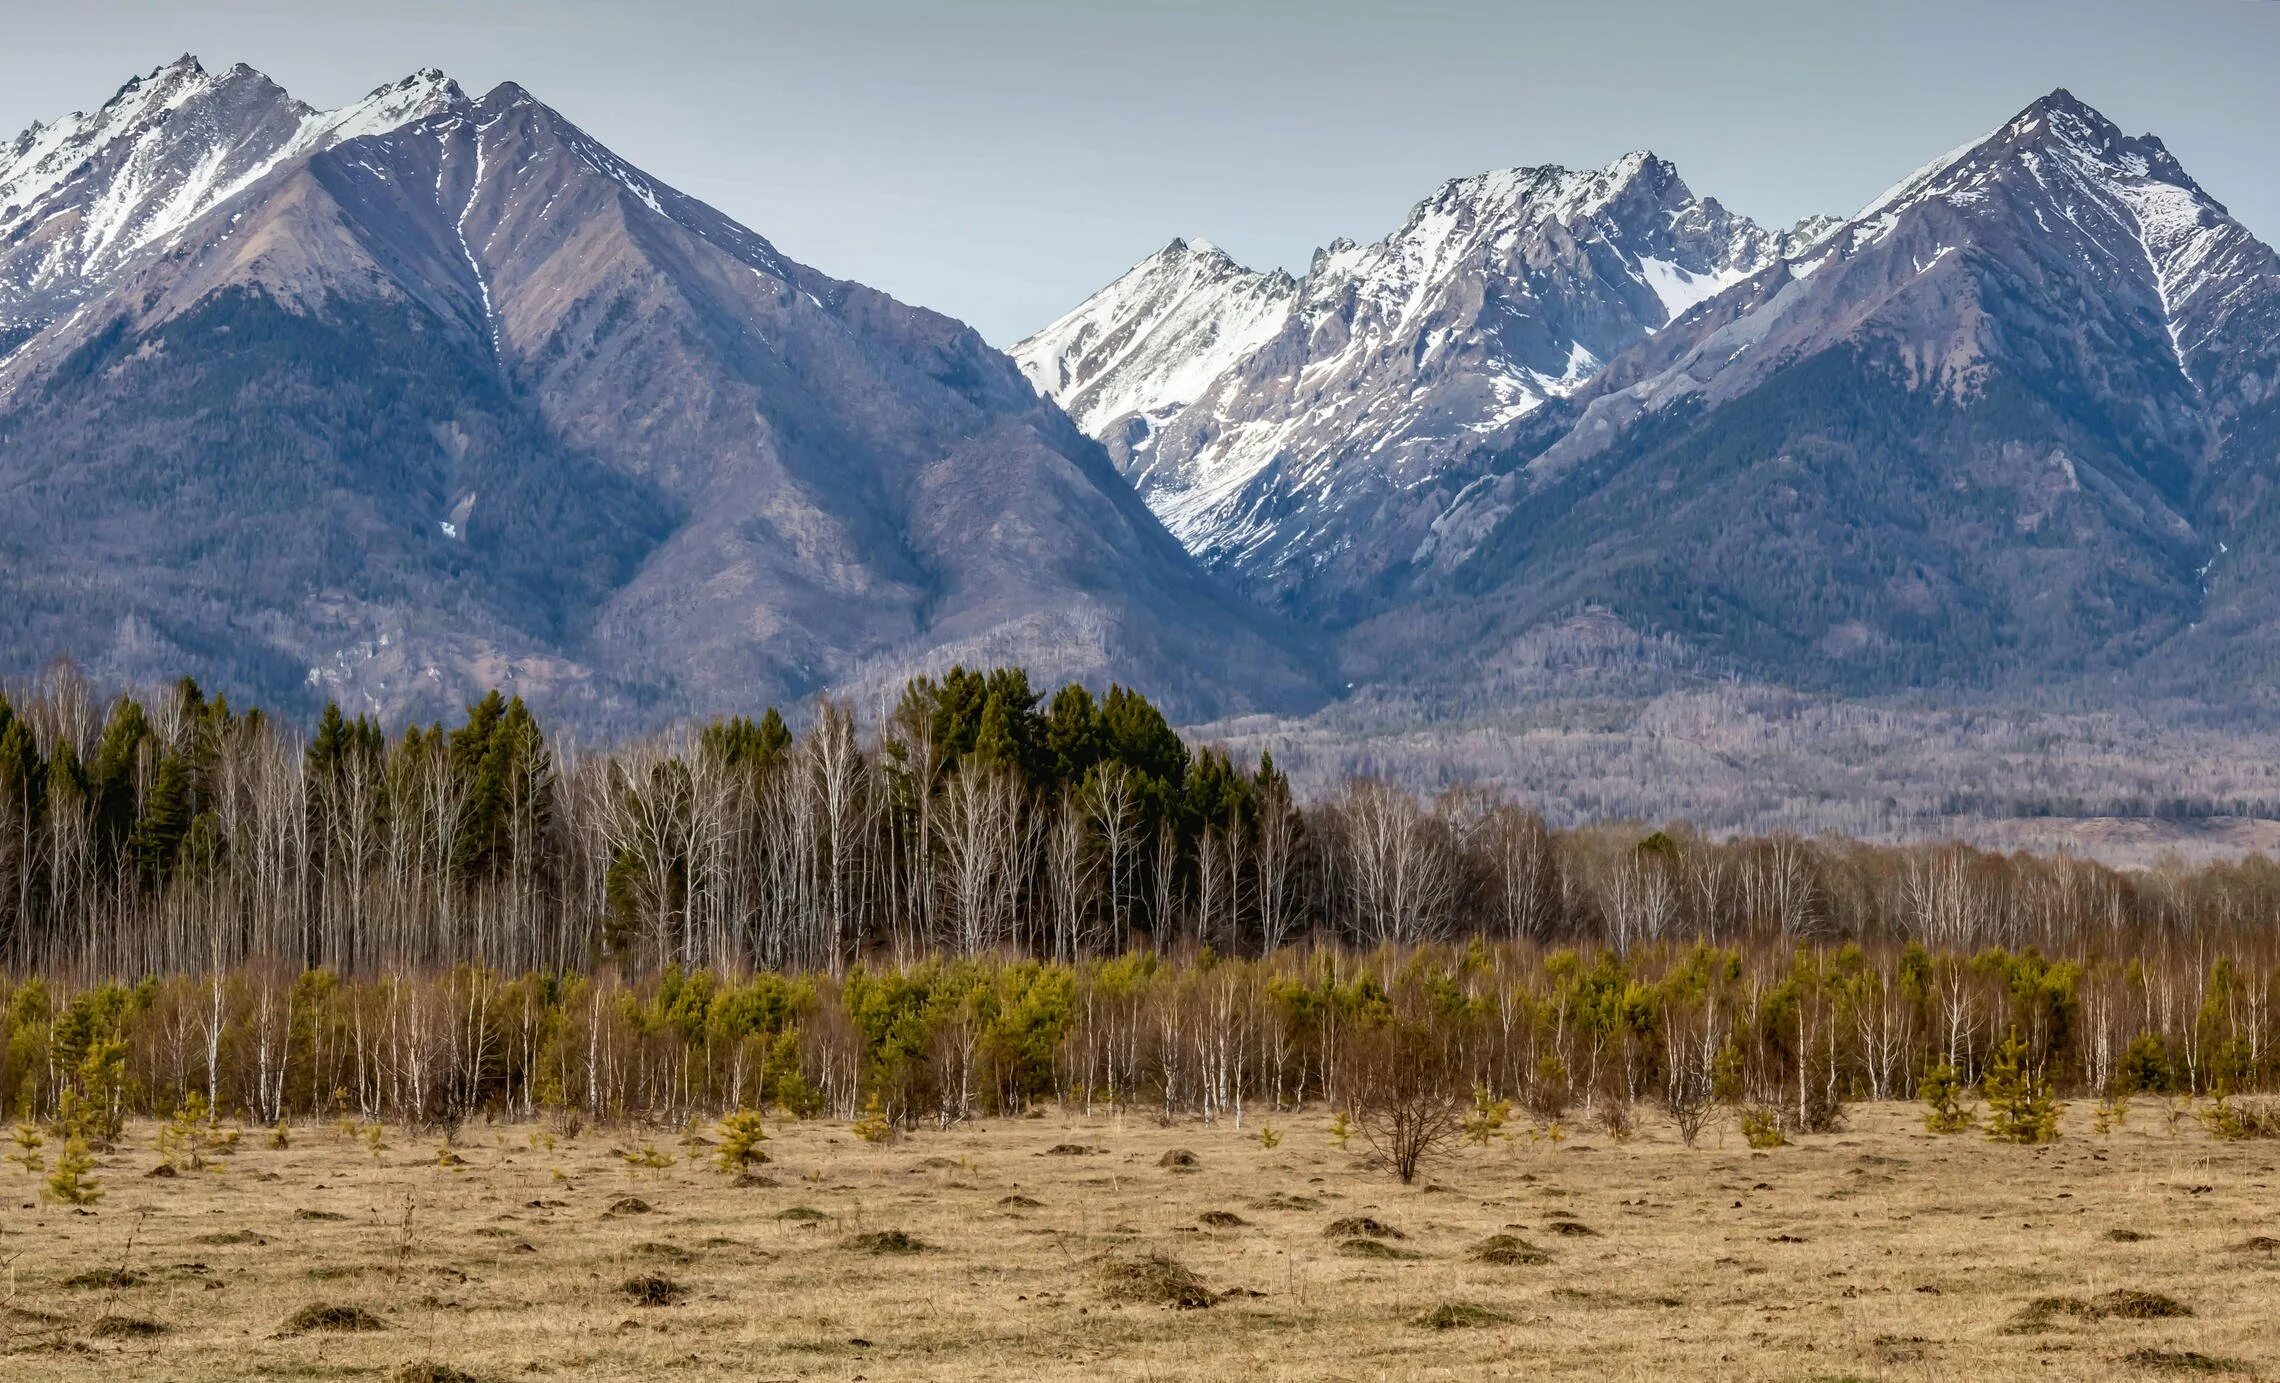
point(1682, 291)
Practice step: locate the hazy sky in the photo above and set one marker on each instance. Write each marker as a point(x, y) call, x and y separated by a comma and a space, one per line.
point(1001, 159)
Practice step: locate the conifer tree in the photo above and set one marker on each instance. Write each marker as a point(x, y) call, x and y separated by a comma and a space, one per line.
point(70, 1182)
point(2020, 1106)
point(740, 1138)
point(28, 1143)
point(993, 740)
point(1942, 1091)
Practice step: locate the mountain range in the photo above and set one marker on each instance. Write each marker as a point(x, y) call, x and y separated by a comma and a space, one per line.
point(2011, 424)
point(393, 403)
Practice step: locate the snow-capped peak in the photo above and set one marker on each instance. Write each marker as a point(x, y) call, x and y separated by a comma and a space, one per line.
point(424, 93)
point(86, 194)
point(1154, 339)
point(2058, 137)
point(2125, 200)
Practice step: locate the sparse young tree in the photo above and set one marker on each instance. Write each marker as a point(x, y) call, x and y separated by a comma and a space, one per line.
point(1401, 1086)
point(2020, 1105)
point(1942, 1093)
point(741, 1135)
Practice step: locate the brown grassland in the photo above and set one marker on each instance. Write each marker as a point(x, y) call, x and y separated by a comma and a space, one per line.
point(994, 1250)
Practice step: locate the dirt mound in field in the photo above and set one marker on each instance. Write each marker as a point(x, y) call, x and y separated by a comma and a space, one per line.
point(1154, 1280)
point(1460, 1315)
point(318, 1315)
point(1508, 1251)
point(1361, 1226)
point(649, 1289)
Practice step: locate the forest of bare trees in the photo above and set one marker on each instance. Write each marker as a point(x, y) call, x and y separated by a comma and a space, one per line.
point(991, 898)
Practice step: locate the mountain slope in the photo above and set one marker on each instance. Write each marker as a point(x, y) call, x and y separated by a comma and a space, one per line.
point(1991, 434)
point(1303, 435)
point(470, 400)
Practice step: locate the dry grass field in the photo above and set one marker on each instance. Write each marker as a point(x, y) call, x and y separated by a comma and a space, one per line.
point(1022, 1248)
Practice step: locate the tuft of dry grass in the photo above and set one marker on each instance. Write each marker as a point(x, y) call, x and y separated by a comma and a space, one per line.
point(103, 1279)
point(125, 1328)
point(649, 1289)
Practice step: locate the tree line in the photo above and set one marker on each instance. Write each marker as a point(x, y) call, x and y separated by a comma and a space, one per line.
point(177, 834)
point(1793, 1033)
point(991, 896)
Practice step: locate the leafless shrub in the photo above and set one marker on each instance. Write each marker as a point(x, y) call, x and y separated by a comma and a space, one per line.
point(1406, 1094)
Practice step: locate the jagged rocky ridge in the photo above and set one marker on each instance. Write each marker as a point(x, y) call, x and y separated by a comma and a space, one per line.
point(1300, 433)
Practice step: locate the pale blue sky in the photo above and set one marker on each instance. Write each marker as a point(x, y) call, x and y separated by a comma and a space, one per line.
point(1001, 159)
